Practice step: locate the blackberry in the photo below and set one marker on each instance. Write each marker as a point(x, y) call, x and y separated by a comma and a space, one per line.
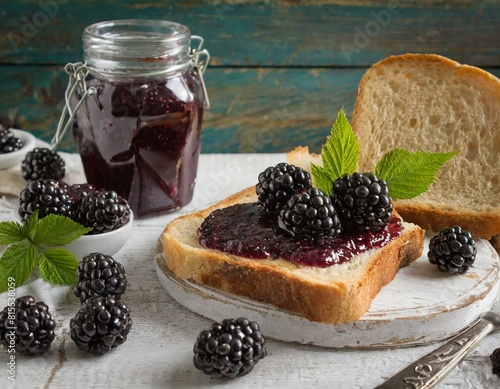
point(277, 184)
point(77, 191)
point(362, 202)
point(46, 196)
point(5, 135)
point(101, 325)
point(12, 145)
point(104, 211)
point(99, 275)
point(9, 142)
point(453, 250)
point(230, 348)
point(495, 360)
point(42, 162)
point(32, 327)
point(310, 215)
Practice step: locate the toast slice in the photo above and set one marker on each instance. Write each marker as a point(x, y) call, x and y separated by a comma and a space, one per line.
point(336, 294)
point(430, 103)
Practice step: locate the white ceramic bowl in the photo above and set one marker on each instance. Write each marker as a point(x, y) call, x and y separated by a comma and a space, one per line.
point(108, 243)
point(8, 160)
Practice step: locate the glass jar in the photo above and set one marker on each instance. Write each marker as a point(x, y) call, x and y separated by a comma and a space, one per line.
point(137, 111)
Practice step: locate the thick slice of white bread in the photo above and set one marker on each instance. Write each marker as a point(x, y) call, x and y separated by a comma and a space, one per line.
point(336, 294)
point(430, 103)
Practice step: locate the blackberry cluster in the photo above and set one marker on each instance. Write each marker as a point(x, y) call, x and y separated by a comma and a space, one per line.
point(453, 250)
point(77, 191)
point(310, 215)
point(104, 211)
point(362, 202)
point(46, 196)
point(277, 184)
point(9, 142)
point(43, 163)
point(99, 275)
point(230, 348)
point(101, 325)
point(33, 326)
point(495, 360)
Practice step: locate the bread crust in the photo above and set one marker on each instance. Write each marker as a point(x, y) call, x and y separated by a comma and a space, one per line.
point(482, 224)
point(282, 283)
point(421, 58)
point(479, 224)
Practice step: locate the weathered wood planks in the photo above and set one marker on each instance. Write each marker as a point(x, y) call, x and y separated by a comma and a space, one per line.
point(253, 109)
point(280, 70)
point(268, 33)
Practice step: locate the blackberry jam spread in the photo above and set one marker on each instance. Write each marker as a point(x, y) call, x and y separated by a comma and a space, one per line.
point(248, 231)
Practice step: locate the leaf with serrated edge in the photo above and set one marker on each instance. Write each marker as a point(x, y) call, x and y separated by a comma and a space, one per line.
point(58, 266)
point(409, 174)
point(30, 224)
point(322, 180)
point(58, 230)
point(18, 261)
point(340, 152)
point(10, 232)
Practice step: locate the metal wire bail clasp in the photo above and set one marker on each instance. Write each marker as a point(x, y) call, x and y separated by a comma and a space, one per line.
point(77, 72)
point(200, 58)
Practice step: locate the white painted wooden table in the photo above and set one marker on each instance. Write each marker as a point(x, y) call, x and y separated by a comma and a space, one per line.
point(159, 352)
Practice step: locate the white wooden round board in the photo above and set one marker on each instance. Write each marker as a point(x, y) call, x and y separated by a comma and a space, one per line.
point(421, 305)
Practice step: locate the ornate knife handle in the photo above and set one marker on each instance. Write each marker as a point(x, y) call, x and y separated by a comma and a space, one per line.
point(430, 369)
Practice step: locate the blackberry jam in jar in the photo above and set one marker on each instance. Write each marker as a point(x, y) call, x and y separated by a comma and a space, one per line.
point(138, 106)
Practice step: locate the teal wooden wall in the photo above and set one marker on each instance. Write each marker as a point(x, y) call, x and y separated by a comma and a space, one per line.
point(280, 70)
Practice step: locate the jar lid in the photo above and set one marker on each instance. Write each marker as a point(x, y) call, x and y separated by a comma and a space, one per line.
point(129, 47)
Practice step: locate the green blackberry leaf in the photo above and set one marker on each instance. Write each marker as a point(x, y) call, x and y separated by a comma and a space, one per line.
point(58, 230)
point(31, 247)
point(17, 264)
point(409, 174)
point(322, 180)
point(30, 224)
point(11, 232)
point(340, 152)
point(58, 266)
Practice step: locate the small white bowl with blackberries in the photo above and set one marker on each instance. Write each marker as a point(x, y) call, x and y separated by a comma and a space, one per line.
point(14, 144)
point(108, 214)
